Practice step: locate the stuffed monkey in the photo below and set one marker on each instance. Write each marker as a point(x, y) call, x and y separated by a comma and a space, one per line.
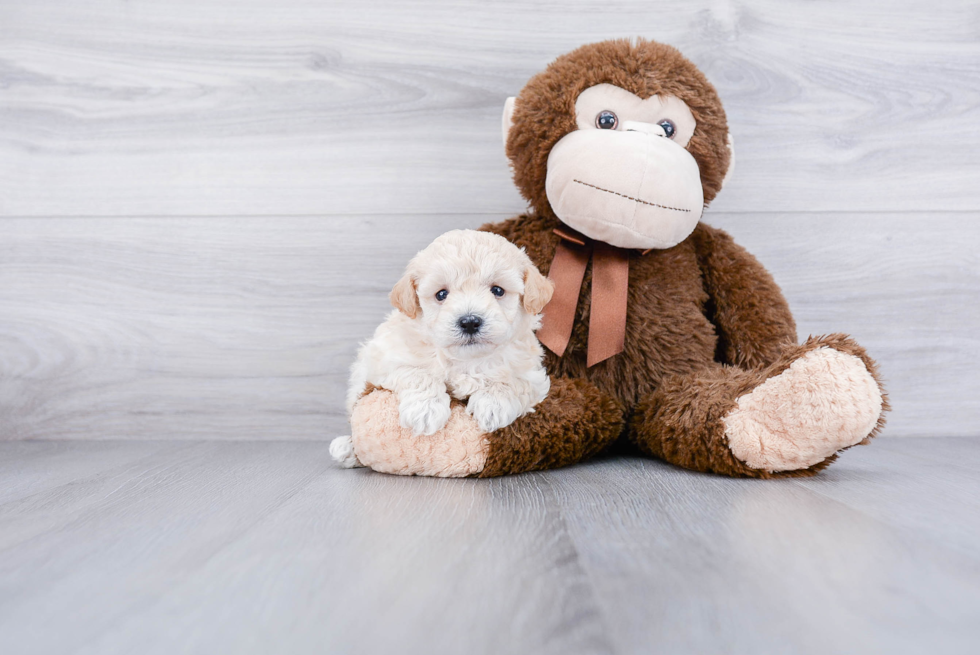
point(663, 334)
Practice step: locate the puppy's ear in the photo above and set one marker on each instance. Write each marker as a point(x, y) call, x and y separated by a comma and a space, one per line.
point(537, 290)
point(404, 297)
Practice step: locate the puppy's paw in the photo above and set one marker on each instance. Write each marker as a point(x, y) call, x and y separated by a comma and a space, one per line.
point(342, 451)
point(424, 414)
point(493, 411)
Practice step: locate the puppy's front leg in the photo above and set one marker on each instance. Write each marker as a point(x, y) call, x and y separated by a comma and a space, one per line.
point(423, 404)
point(422, 412)
point(496, 406)
point(500, 404)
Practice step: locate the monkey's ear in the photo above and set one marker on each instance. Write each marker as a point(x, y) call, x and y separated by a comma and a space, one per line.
point(537, 290)
point(731, 160)
point(508, 117)
point(404, 297)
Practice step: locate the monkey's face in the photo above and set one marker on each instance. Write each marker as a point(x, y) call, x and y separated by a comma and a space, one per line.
point(624, 176)
point(625, 141)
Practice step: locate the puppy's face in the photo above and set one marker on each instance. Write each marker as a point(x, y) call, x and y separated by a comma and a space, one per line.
point(471, 291)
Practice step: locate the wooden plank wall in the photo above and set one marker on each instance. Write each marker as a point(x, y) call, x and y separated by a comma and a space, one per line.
point(204, 203)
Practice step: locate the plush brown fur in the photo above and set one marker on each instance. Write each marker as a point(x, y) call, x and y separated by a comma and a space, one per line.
point(545, 109)
point(575, 422)
point(677, 311)
point(706, 322)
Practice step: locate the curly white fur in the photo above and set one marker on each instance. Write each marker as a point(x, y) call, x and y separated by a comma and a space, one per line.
point(422, 354)
point(342, 451)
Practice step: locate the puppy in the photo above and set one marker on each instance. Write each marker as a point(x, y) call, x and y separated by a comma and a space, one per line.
point(466, 310)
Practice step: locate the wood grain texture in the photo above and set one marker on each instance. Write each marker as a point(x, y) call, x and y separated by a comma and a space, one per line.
point(236, 108)
point(204, 204)
point(705, 564)
point(163, 547)
point(244, 328)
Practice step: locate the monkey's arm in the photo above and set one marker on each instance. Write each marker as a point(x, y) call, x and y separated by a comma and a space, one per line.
point(745, 304)
point(575, 422)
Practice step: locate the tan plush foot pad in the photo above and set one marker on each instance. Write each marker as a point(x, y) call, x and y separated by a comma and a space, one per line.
point(825, 401)
point(381, 443)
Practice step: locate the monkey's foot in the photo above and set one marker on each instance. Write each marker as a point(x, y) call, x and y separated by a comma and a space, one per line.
point(456, 450)
point(825, 401)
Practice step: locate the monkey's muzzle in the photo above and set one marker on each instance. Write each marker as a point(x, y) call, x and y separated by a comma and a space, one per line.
point(627, 189)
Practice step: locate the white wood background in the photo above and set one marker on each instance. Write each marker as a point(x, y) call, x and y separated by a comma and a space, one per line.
point(204, 203)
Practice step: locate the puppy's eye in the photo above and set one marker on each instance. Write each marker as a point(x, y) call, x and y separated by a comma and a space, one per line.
point(606, 120)
point(497, 291)
point(441, 294)
point(669, 128)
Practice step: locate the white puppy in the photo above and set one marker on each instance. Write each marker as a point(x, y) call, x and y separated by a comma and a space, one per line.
point(466, 311)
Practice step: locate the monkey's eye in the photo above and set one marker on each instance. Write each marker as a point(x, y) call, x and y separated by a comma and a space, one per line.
point(497, 291)
point(441, 294)
point(606, 120)
point(669, 128)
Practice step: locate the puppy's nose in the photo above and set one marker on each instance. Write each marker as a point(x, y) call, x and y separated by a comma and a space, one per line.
point(470, 324)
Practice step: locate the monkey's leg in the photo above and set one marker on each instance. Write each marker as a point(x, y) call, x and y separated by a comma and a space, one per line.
point(788, 419)
point(573, 423)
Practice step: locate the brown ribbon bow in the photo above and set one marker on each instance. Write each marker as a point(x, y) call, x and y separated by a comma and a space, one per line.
point(610, 287)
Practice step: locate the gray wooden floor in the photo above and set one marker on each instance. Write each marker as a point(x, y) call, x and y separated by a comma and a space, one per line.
point(266, 547)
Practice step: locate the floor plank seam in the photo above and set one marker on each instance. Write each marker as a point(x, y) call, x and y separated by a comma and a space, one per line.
point(582, 569)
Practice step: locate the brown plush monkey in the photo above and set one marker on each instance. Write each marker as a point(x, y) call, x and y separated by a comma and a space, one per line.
point(663, 332)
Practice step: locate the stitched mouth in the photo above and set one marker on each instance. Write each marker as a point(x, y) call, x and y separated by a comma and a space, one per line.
point(623, 195)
